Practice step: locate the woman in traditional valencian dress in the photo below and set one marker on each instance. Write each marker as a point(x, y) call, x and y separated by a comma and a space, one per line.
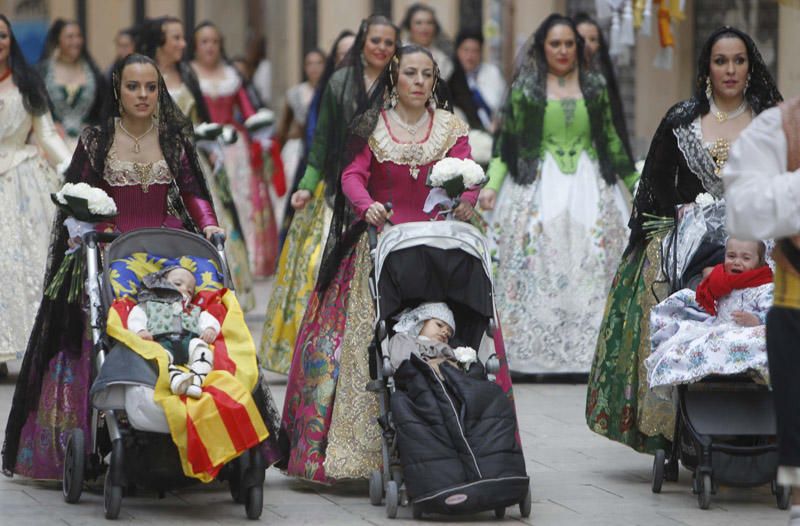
point(162, 40)
point(329, 417)
point(291, 126)
point(595, 52)
point(26, 180)
point(299, 263)
point(341, 46)
point(686, 155)
point(74, 83)
point(224, 92)
point(560, 216)
point(149, 167)
point(477, 87)
point(423, 29)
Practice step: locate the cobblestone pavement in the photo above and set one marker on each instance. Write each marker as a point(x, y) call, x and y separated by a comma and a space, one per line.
point(577, 478)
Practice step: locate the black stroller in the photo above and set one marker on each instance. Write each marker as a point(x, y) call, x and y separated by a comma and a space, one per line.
point(449, 444)
point(724, 425)
point(145, 457)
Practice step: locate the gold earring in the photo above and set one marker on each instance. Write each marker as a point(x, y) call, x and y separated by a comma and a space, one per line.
point(709, 90)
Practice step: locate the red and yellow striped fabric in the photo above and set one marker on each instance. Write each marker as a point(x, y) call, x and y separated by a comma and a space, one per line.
point(224, 421)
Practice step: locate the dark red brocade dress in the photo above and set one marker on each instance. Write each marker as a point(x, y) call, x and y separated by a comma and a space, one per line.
point(52, 393)
point(245, 167)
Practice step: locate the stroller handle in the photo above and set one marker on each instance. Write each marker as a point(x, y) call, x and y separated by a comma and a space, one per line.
point(372, 230)
point(218, 240)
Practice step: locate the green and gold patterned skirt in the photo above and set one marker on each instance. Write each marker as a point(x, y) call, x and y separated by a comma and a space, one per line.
point(619, 406)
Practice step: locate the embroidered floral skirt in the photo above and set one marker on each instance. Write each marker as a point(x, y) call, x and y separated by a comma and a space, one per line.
point(62, 406)
point(251, 194)
point(26, 217)
point(559, 240)
point(294, 283)
point(619, 405)
point(328, 416)
point(229, 220)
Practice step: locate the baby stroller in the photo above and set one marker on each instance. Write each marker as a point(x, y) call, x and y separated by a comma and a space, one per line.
point(130, 440)
point(724, 425)
point(475, 465)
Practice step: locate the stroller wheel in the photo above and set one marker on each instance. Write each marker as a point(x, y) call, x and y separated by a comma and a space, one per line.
point(375, 488)
point(255, 502)
point(783, 495)
point(525, 505)
point(658, 470)
point(238, 469)
point(112, 493)
point(500, 512)
point(704, 492)
point(74, 460)
point(112, 498)
point(392, 499)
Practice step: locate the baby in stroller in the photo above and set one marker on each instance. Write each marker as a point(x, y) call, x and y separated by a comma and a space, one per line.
point(169, 313)
point(709, 355)
point(425, 331)
point(719, 329)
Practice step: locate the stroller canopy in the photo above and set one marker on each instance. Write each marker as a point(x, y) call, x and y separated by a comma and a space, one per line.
point(436, 261)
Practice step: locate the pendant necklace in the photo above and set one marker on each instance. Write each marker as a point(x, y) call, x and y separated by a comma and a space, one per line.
point(414, 148)
point(723, 116)
point(136, 147)
point(411, 129)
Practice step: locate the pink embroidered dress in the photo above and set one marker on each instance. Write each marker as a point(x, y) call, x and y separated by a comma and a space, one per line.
point(248, 184)
point(332, 441)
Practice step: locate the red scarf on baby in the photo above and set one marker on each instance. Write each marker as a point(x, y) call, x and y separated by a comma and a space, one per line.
point(719, 284)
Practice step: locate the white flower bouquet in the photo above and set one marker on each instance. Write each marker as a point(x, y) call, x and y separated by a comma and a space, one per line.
point(466, 356)
point(449, 178)
point(84, 205)
point(481, 144)
point(85, 202)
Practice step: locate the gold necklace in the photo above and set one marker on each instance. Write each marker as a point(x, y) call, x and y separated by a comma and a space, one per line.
point(136, 147)
point(723, 116)
point(411, 129)
point(719, 151)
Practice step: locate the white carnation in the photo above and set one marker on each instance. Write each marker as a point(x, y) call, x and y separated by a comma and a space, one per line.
point(97, 200)
point(472, 172)
point(444, 170)
point(480, 143)
point(465, 355)
point(704, 199)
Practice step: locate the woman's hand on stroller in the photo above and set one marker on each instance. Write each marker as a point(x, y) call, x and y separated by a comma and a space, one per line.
point(145, 335)
point(745, 319)
point(210, 230)
point(209, 335)
point(376, 215)
point(464, 211)
point(300, 199)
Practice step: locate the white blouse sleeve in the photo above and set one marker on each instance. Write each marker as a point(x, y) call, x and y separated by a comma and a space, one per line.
point(51, 142)
point(137, 320)
point(762, 197)
point(208, 321)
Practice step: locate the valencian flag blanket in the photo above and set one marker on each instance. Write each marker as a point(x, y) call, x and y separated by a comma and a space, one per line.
point(224, 422)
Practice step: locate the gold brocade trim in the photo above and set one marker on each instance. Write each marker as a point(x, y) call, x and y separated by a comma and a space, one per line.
point(130, 173)
point(445, 131)
point(354, 439)
point(655, 416)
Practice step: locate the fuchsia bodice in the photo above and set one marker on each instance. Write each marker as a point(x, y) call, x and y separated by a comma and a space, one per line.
point(381, 170)
point(140, 191)
point(223, 96)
